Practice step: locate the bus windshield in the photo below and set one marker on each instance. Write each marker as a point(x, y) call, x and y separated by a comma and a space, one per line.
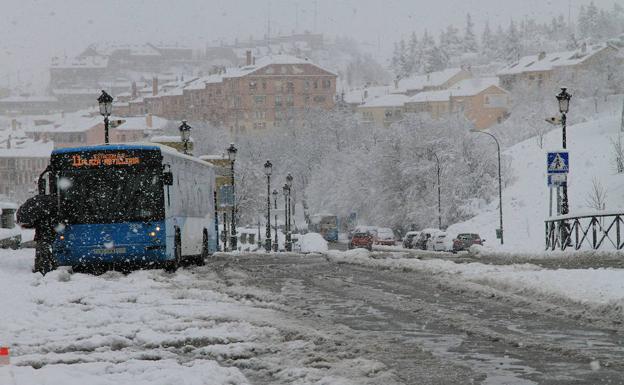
point(110, 195)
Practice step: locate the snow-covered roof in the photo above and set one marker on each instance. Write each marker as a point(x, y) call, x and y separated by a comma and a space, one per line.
point(167, 139)
point(200, 84)
point(94, 61)
point(76, 91)
point(71, 122)
point(548, 61)
point(22, 147)
point(269, 60)
point(138, 123)
point(361, 95)
point(433, 79)
point(28, 99)
point(466, 87)
point(392, 100)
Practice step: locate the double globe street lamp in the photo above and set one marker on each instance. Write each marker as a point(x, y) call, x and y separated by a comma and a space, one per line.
point(185, 135)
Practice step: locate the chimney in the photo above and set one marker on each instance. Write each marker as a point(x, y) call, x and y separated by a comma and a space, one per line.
point(396, 84)
point(148, 120)
point(248, 57)
point(253, 60)
point(366, 94)
point(14, 124)
point(541, 55)
point(134, 90)
point(9, 142)
point(154, 86)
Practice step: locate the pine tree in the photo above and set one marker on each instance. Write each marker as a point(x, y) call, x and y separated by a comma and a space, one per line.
point(488, 43)
point(433, 60)
point(414, 54)
point(470, 40)
point(513, 49)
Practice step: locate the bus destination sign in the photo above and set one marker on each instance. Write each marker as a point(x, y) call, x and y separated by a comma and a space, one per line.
point(104, 159)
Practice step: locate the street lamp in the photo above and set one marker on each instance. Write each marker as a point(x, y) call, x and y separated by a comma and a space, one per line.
point(500, 184)
point(275, 244)
point(289, 183)
point(232, 157)
point(268, 168)
point(185, 135)
point(106, 107)
point(432, 153)
point(564, 104)
point(286, 191)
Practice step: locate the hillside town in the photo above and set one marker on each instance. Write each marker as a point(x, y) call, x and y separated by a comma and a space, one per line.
point(288, 192)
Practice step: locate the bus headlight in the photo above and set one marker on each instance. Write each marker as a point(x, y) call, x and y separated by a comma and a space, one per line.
point(62, 237)
point(157, 228)
point(152, 233)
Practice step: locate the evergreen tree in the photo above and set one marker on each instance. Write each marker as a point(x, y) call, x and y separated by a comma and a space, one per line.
point(415, 54)
point(488, 43)
point(470, 40)
point(433, 59)
point(513, 47)
point(451, 42)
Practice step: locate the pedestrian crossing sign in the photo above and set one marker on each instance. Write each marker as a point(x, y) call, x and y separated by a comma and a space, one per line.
point(558, 162)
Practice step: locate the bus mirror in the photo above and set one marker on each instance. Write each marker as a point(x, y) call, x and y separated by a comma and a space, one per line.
point(41, 185)
point(167, 178)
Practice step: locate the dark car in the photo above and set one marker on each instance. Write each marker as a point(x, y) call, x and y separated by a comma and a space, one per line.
point(410, 237)
point(465, 240)
point(361, 240)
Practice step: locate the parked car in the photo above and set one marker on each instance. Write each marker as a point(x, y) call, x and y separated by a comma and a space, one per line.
point(440, 242)
point(463, 241)
point(409, 238)
point(385, 236)
point(362, 240)
point(423, 238)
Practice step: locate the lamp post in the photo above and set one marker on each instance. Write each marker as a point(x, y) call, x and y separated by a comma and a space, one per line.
point(268, 168)
point(564, 104)
point(289, 183)
point(106, 107)
point(232, 156)
point(286, 191)
point(432, 153)
point(500, 184)
point(275, 244)
point(185, 135)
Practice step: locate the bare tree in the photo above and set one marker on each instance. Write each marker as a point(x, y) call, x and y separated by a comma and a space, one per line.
point(617, 151)
point(596, 199)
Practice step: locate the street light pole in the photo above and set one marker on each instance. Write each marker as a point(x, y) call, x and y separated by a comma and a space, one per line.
point(267, 170)
point(289, 182)
point(285, 190)
point(106, 106)
point(439, 191)
point(232, 156)
point(564, 104)
point(275, 244)
point(500, 183)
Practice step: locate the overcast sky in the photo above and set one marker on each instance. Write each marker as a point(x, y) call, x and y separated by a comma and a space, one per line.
point(33, 30)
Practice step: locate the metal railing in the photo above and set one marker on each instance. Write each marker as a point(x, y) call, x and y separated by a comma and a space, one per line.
point(585, 231)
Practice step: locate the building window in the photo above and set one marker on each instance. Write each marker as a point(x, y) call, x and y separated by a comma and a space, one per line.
point(290, 101)
point(259, 114)
point(278, 100)
point(264, 84)
point(306, 85)
point(319, 99)
point(290, 87)
point(278, 86)
point(252, 86)
point(259, 125)
point(326, 83)
point(496, 101)
point(315, 84)
point(259, 99)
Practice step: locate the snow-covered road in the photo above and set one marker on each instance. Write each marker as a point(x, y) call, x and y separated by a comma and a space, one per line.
point(290, 319)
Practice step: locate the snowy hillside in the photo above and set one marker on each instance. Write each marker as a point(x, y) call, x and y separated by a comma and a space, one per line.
point(525, 201)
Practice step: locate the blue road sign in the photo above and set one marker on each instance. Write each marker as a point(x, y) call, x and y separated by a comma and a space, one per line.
point(558, 162)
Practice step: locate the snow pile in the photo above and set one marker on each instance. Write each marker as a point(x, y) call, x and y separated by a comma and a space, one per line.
point(599, 289)
point(525, 201)
point(313, 243)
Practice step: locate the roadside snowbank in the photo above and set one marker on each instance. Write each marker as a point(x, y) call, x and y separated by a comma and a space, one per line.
point(313, 243)
point(597, 288)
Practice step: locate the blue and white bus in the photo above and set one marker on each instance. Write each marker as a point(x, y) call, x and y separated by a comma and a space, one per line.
point(139, 204)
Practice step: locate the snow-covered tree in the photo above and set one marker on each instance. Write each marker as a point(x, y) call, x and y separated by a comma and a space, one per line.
point(470, 39)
